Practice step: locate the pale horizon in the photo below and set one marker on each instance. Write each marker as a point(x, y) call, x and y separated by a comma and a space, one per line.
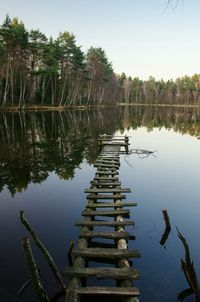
point(141, 39)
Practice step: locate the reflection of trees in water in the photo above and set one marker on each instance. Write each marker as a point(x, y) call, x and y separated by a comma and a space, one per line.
point(33, 144)
point(183, 119)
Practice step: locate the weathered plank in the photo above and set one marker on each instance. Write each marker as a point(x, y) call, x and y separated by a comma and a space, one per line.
point(106, 213)
point(103, 273)
point(107, 161)
point(104, 178)
point(105, 223)
point(111, 205)
point(108, 158)
point(93, 196)
point(108, 235)
point(105, 172)
point(108, 190)
point(106, 165)
point(106, 253)
point(105, 184)
point(111, 291)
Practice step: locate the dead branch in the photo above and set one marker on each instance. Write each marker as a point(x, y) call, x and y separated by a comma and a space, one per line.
point(141, 154)
point(35, 278)
point(44, 251)
point(189, 270)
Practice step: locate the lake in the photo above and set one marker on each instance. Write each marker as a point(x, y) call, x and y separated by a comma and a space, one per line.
point(46, 162)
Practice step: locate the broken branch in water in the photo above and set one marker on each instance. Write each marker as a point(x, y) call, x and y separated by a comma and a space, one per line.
point(35, 278)
point(141, 154)
point(167, 227)
point(44, 251)
point(189, 272)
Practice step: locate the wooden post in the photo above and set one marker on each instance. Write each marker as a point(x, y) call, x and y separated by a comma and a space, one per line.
point(127, 143)
point(166, 218)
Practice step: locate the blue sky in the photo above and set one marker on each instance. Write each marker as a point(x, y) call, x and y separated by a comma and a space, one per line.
point(138, 37)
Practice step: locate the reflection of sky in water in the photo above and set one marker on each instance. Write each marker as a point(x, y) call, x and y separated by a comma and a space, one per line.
point(171, 180)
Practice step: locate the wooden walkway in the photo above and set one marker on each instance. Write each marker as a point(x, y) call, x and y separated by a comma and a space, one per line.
point(104, 218)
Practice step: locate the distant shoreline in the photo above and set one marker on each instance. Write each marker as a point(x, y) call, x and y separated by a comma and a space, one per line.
point(84, 107)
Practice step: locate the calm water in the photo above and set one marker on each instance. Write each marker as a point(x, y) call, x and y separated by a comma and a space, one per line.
point(46, 162)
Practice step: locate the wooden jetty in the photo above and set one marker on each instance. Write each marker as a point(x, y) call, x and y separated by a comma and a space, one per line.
point(105, 209)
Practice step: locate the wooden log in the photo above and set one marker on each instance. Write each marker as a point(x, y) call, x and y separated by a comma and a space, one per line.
point(111, 291)
point(108, 190)
point(107, 235)
point(69, 253)
point(111, 205)
point(93, 196)
point(105, 223)
point(44, 251)
point(166, 218)
point(34, 273)
point(74, 283)
point(106, 213)
point(106, 253)
point(103, 273)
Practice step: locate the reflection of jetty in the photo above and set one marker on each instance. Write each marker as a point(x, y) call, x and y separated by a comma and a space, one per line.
point(105, 199)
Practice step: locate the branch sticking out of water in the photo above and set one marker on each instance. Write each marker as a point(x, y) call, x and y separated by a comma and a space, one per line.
point(189, 271)
point(44, 251)
point(141, 154)
point(35, 278)
point(167, 227)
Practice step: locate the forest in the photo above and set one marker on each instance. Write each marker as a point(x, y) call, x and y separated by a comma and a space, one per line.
point(37, 71)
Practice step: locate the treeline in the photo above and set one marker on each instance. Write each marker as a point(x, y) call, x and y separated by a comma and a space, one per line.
point(183, 91)
point(41, 71)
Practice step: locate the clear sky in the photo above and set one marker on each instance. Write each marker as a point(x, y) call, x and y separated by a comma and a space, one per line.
point(138, 37)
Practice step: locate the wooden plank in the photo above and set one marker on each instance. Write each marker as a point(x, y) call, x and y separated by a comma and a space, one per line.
point(106, 165)
point(106, 213)
point(114, 143)
point(105, 223)
point(107, 190)
point(103, 273)
point(107, 235)
point(117, 196)
point(108, 157)
point(107, 169)
point(115, 161)
point(106, 253)
point(102, 178)
point(105, 184)
point(111, 205)
point(105, 172)
point(111, 291)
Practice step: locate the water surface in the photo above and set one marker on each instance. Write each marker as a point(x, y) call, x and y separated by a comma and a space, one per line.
point(46, 162)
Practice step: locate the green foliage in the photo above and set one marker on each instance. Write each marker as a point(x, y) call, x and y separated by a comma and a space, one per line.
point(38, 70)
